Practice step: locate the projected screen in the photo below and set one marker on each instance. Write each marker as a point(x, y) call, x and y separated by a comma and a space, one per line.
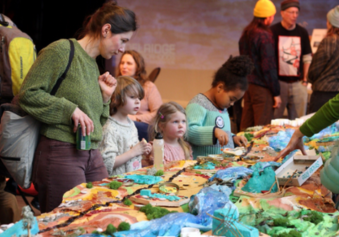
point(200, 34)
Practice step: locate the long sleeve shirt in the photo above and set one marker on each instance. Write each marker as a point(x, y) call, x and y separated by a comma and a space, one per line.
point(259, 46)
point(325, 116)
point(324, 70)
point(79, 89)
point(202, 119)
point(118, 138)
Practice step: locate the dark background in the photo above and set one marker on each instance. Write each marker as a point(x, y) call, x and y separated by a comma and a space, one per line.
point(46, 21)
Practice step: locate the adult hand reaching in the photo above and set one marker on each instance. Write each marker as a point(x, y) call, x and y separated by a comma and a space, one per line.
point(86, 123)
point(296, 142)
point(107, 86)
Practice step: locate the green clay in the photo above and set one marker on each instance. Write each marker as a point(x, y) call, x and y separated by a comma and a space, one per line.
point(124, 226)
point(110, 229)
point(154, 212)
point(314, 217)
point(89, 185)
point(264, 217)
point(292, 233)
point(249, 136)
point(159, 173)
point(128, 202)
point(261, 182)
point(114, 185)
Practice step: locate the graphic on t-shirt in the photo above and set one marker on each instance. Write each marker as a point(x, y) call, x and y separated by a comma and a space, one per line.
point(289, 55)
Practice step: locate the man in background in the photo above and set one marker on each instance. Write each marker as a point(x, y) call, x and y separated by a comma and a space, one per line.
point(294, 55)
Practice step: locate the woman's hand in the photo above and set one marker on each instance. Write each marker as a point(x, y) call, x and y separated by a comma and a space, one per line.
point(240, 140)
point(86, 123)
point(296, 142)
point(107, 86)
point(222, 136)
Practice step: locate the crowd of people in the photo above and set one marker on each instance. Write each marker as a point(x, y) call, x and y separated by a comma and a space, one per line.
point(122, 114)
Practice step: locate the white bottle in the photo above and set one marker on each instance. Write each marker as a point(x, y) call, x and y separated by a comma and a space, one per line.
point(158, 151)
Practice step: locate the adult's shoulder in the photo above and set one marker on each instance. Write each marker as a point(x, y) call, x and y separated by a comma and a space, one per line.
point(275, 27)
point(56, 47)
point(302, 29)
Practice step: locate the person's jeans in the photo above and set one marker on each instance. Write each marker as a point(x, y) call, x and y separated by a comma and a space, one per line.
point(59, 167)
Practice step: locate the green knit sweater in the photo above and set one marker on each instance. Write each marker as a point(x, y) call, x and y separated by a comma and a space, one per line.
point(325, 116)
point(79, 89)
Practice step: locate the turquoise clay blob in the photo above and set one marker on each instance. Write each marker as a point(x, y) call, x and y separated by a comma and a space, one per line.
point(144, 179)
point(262, 182)
point(148, 193)
point(205, 166)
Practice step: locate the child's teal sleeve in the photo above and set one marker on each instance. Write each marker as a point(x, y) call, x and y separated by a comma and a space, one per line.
point(198, 132)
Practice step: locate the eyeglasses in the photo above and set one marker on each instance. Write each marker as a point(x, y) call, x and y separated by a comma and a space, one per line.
point(292, 12)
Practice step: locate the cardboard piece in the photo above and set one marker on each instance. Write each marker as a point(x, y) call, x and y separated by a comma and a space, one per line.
point(306, 166)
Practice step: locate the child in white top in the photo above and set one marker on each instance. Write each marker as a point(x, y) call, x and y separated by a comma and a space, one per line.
point(120, 147)
point(170, 121)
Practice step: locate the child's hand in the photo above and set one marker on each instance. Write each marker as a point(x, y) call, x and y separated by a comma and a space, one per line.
point(240, 140)
point(222, 136)
point(140, 148)
point(148, 149)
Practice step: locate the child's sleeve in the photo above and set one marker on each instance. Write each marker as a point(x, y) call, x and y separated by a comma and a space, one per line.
point(198, 133)
point(109, 148)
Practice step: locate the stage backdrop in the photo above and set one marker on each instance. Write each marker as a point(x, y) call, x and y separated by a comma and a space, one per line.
point(191, 39)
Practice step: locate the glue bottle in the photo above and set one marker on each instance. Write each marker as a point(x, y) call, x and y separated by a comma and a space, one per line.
point(158, 149)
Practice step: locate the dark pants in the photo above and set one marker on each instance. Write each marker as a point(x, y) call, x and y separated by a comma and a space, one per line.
point(59, 167)
point(258, 107)
point(319, 98)
point(142, 130)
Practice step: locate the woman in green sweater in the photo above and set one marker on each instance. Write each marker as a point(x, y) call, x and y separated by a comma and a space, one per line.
point(82, 98)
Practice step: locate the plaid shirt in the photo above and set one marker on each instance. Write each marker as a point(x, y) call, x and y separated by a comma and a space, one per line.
point(259, 46)
point(324, 69)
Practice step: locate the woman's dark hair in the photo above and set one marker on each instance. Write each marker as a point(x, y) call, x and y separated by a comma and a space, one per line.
point(233, 73)
point(140, 73)
point(121, 20)
point(256, 23)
